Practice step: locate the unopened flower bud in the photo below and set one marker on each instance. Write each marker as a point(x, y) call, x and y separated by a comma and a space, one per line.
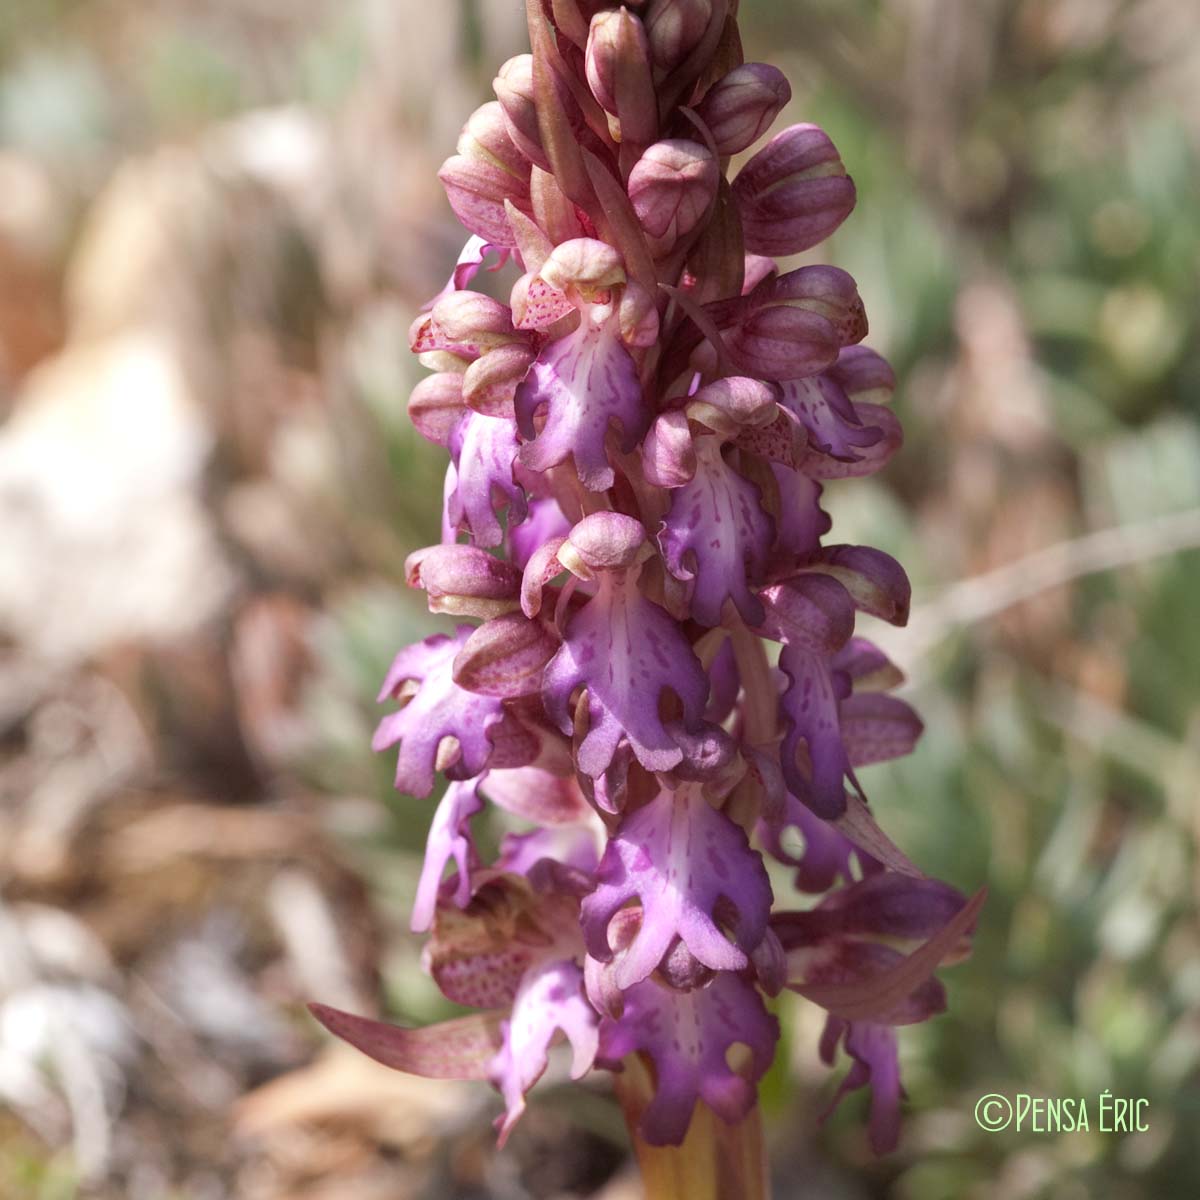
point(489, 382)
point(585, 267)
point(864, 375)
point(793, 193)
point(826, 291)
point(514, 93)
point(675, 28)
point(435, 406)
point(433, 358)
point(472, 319)
point(505, 657)
point(604, 541)
point(637, 316)
point(464, 580)
point(671, 187)
point(668, 456)
point(485, 136)
point(618, 72)
point(464, 324)
point(794, 326)
point(730, 405)
point(477, 188)
point(739, 108)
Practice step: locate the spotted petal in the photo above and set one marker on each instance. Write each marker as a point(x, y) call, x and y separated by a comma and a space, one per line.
point(436, 710)
point(479, 955)
point(625, 650)
point(833, 425)
point(688, 1035)
point(717, 535)
point(689, 866)
point(810, 711)
point(585, 381)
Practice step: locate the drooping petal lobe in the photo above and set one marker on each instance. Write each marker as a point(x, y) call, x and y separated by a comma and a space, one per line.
point(810, 712)
point(876, 1062)
point(449, 840)
point(826, 855)
point(471, 260)
point(819, 465)
point(801, 522)
point(550, 999)
point(544, 520)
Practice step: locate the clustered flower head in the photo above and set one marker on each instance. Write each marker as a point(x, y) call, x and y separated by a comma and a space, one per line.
point(638, 444)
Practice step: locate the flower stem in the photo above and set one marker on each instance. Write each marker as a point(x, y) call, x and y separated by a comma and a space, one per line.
point(716, 1161)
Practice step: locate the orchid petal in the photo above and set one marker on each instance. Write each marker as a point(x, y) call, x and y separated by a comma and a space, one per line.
point(686, 863)
point(625, 650)
point(873, 1048)
point(550, 999)
point(800, 522)
point(449, 838)
point(544, 520)
point(536, 795)
point(833, 424)
point(810, 710)
point(463, 1048)
point(585, 381)
point(879, 993)
point(573, 846)
point(717, 537)
point(826, 855)
point(483, 450)
point(871, 458)
point(438, 709)
point(688, 1035)
point(877, 728)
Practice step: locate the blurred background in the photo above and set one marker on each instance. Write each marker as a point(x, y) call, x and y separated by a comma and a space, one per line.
point(217, 218)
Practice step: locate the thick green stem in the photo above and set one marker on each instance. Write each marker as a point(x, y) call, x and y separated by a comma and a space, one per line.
point(716, 1161)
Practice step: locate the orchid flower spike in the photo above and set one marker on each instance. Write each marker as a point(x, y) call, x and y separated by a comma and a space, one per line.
point(633, 534)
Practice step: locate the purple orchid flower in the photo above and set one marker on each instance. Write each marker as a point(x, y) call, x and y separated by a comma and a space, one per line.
point(639, 440)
